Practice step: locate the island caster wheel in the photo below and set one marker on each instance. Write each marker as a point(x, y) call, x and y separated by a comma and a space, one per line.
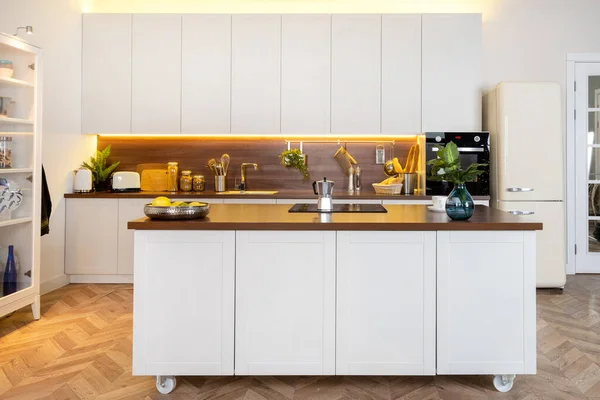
point(503, 383)
point(165, 384)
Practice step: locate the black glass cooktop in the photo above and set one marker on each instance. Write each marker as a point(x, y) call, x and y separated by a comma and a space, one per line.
point(341, 208)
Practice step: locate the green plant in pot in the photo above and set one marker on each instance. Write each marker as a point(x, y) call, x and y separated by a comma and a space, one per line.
point(99, 169)
point(294, 158)
point(447, 167)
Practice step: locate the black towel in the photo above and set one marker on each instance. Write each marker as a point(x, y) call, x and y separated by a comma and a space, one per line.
point(46, 205)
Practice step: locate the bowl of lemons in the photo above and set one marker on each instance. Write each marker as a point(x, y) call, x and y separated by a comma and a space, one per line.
point(163, 208)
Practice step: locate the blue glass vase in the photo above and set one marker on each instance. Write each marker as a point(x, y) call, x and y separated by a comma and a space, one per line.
point(9, 285)
point(459, 204)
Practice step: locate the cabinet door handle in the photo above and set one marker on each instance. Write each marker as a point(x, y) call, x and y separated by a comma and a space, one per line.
point(518, 189)
point(517, 212)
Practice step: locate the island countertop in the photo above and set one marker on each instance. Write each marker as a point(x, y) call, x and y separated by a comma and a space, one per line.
point(397, 218)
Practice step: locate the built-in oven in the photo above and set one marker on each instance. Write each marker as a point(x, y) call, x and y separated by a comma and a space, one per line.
point(473, 147)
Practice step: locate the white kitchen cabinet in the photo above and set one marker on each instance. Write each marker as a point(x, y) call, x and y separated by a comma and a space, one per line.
point(356, 73)
point(106, 73)
point(91, 236)
point(401, 73)
point(386, 291)
point(156, 74)
point(206, 73)
point(255, 73)
point(305, 73)
point(129, 209)
point(486, 302)
point(451, 72)
point(285, 303)
point(184, 303)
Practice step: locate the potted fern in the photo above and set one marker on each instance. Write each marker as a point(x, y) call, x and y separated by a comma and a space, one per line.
point(100, 171)
point(447, 167)
point(295, 159)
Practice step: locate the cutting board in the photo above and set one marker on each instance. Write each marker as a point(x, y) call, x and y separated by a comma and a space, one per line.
point(153, 177)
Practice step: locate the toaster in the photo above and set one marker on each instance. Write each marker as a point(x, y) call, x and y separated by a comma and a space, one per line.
point(126, 182)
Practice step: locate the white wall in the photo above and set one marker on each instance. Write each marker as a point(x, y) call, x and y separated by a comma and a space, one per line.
point(57, 29)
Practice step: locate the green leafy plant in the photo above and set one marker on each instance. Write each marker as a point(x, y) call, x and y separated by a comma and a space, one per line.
point(446, 167)
point(295, 159)
point(98, 166)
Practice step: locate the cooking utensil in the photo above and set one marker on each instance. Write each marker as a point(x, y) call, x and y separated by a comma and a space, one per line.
point(324, 189)
point(388, 168)
point(225, 161)
point(176, 212)
point(212, 163)
point(153, 176)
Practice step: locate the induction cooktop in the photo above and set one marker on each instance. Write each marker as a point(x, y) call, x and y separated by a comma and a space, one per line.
point(341, 208)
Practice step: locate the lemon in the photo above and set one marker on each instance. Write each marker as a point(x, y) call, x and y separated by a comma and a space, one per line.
point(182, 204)
point(194, 204)
point(176, 203)
point(161, 201)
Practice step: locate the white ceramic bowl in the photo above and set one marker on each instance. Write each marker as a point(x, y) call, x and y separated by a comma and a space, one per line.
point(6, 72)
point(10, 196)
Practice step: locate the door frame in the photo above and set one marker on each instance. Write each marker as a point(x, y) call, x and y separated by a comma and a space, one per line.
point(572, 60)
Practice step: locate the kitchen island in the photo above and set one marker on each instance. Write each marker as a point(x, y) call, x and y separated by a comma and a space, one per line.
point(255, 290)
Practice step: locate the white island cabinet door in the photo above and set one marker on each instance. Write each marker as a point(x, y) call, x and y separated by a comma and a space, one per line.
point(356, 73)
point(305, 73)
point(183, 302)
point(486, 302)
point(451, 72)
point(206, 73)
point(106, 73)
point(90, 236)
point(156, 74)
point(285, 303)
point(255, 73)
point(385, 303)
point(401, 73)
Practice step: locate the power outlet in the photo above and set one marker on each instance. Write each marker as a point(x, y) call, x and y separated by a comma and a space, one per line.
point(379, 155)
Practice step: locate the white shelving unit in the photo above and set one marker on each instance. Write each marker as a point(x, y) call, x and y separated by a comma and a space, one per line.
point(21, 227)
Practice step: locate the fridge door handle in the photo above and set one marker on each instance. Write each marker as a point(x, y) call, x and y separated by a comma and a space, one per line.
point(519, 189)
point(518, 212)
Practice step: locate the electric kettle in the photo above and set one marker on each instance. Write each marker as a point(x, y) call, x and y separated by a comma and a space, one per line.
point(324, 189)
point(82, 182)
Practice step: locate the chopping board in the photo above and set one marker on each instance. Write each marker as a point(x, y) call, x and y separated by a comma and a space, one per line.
point(153, 177)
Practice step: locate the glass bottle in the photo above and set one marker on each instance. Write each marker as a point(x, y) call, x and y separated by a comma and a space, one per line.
point(199, 183)
point(5, 152)
point(459, 204)
point(185, 181)
point(9, 284)
point(172, 175)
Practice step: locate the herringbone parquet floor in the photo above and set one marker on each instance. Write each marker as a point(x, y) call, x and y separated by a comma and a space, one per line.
point(81, 349)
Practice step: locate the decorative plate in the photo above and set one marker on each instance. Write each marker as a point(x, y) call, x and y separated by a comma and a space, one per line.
point(10, 196)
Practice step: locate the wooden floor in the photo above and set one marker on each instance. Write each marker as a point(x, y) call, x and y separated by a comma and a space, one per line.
point(81, 349)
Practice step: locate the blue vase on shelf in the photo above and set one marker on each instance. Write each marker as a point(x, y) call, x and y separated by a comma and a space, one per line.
point(9, 284)
point(459, 204)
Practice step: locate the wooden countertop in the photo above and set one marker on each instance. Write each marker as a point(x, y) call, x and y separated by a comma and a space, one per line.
point(398, 218)
point(365, 194)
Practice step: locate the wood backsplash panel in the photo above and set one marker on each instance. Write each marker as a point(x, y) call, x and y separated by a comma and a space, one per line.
point(193, 153)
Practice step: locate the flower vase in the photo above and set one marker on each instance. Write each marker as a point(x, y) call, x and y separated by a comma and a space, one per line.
point(459, 204)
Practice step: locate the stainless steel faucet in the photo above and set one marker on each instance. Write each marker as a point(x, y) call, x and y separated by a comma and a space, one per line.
point(244, 165)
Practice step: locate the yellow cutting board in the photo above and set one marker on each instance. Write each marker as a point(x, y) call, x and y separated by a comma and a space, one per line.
point(153, 177)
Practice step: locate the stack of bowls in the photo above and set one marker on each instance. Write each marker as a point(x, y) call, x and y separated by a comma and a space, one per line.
point(6, 69)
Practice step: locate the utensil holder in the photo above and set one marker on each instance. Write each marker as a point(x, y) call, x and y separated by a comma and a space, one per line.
point(220, 183)
point(409, 183)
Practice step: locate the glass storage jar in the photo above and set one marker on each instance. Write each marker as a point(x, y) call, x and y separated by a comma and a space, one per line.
point(185, 181)
point(5, 152)
point(199, 183)
point(172, 175)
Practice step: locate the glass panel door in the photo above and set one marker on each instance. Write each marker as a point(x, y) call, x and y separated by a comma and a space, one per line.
point(587, 148)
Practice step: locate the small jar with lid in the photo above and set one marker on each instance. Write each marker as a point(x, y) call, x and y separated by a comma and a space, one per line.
point(172, 175)
point(5, 152)
point(185, 182)
point(199, 183)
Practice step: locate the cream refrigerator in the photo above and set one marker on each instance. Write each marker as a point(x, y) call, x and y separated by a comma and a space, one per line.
point(527, 166)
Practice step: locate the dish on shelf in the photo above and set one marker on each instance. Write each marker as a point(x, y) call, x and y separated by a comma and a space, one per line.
point(176, 212)
point(435, 209)
point(6, 69)
point(11, 196)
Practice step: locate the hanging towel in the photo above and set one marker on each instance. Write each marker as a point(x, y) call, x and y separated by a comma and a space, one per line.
point(46, 205)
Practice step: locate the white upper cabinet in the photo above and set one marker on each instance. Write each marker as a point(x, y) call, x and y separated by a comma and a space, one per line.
point(305, 73)
point(156, 74)
point(401, 73)
point(451, 81)
point(106, 73)
point(255, 73)
point(206, 73)
point(356, 73)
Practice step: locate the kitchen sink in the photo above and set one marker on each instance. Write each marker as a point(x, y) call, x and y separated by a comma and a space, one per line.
point(250, 192)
